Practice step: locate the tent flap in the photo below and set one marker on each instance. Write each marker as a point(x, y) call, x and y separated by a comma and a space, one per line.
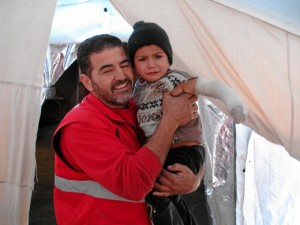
point(254, 57)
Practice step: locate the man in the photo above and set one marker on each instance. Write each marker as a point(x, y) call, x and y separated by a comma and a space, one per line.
point(102, 171)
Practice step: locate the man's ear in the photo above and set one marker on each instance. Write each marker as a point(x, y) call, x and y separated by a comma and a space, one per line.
point(86, 81)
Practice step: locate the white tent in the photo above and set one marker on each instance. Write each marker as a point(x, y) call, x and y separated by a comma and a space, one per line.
point(253, 46)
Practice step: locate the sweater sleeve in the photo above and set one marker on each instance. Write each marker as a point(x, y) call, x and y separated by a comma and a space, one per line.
point(95, 151)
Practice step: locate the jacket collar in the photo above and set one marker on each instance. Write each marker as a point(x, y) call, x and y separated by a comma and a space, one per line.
point(121, 115)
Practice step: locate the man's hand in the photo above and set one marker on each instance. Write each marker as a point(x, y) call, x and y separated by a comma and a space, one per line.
point(177, 112)
point(182, 181)
point(187, 86)
point(180, 110)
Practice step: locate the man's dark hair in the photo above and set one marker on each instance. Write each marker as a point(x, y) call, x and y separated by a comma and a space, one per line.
point(92, 45)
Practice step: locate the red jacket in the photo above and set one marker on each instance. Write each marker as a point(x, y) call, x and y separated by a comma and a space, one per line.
point(102, 173)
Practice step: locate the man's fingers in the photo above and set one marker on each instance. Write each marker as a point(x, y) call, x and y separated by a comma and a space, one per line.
point(165, 178)
point(200, 174)
point(177, 91)
point(161, 194)
point(177, 167)
point(161, 190)
point(187, 86)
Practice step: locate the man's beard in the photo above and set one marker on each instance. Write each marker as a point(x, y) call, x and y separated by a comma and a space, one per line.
point(113, 99)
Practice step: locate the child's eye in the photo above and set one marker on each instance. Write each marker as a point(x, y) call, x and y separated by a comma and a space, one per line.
point(141, 59)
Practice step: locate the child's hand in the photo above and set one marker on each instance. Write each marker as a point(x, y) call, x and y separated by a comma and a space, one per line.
point(237, 109)
point(219, 90)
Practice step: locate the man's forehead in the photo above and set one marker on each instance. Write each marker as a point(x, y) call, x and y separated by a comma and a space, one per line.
point(113, 55)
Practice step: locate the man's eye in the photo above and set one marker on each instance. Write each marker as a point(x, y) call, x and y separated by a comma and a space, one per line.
point(107, 71)
point(159, 56)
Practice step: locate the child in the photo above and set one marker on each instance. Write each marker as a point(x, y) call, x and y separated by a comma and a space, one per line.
point(150, 53)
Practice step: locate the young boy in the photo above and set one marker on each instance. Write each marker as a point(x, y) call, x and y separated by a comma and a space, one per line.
point(151, 56)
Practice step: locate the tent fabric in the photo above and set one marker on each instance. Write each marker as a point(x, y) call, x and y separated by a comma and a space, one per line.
point(282, 14)
point(266, 179)
point(26, 27)
point(272, 194)
point(69, 28)
point(243, 134)
point(257, 59)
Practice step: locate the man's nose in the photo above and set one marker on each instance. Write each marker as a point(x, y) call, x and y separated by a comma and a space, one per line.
point(119, 74)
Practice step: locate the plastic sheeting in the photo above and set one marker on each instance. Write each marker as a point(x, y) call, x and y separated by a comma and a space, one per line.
point(59, 58)
point(219, 179)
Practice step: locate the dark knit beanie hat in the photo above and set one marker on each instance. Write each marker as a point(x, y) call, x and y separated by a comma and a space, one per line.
point(148, 34)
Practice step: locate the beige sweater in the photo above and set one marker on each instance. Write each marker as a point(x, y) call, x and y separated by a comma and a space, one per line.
point(148, 96)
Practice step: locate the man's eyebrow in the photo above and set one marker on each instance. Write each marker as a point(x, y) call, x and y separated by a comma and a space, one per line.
point(110, 65)
point(124, 61)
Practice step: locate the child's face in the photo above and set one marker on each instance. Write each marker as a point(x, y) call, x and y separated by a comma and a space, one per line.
point(151, 63)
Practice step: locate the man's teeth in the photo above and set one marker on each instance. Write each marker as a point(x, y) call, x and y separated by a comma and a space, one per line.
point(120, 86)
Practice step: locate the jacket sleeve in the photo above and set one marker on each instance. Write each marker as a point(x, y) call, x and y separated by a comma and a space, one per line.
point(128, 171)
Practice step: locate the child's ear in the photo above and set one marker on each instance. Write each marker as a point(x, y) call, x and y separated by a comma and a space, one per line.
point(86, 81)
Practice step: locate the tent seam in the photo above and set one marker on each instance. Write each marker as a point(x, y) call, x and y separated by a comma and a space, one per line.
point(10, 83)
point(290, 88)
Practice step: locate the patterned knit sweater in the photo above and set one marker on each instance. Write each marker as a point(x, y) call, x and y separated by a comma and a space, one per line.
point(148, 96)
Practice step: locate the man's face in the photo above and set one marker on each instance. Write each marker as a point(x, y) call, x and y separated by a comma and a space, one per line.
point(111, 78)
